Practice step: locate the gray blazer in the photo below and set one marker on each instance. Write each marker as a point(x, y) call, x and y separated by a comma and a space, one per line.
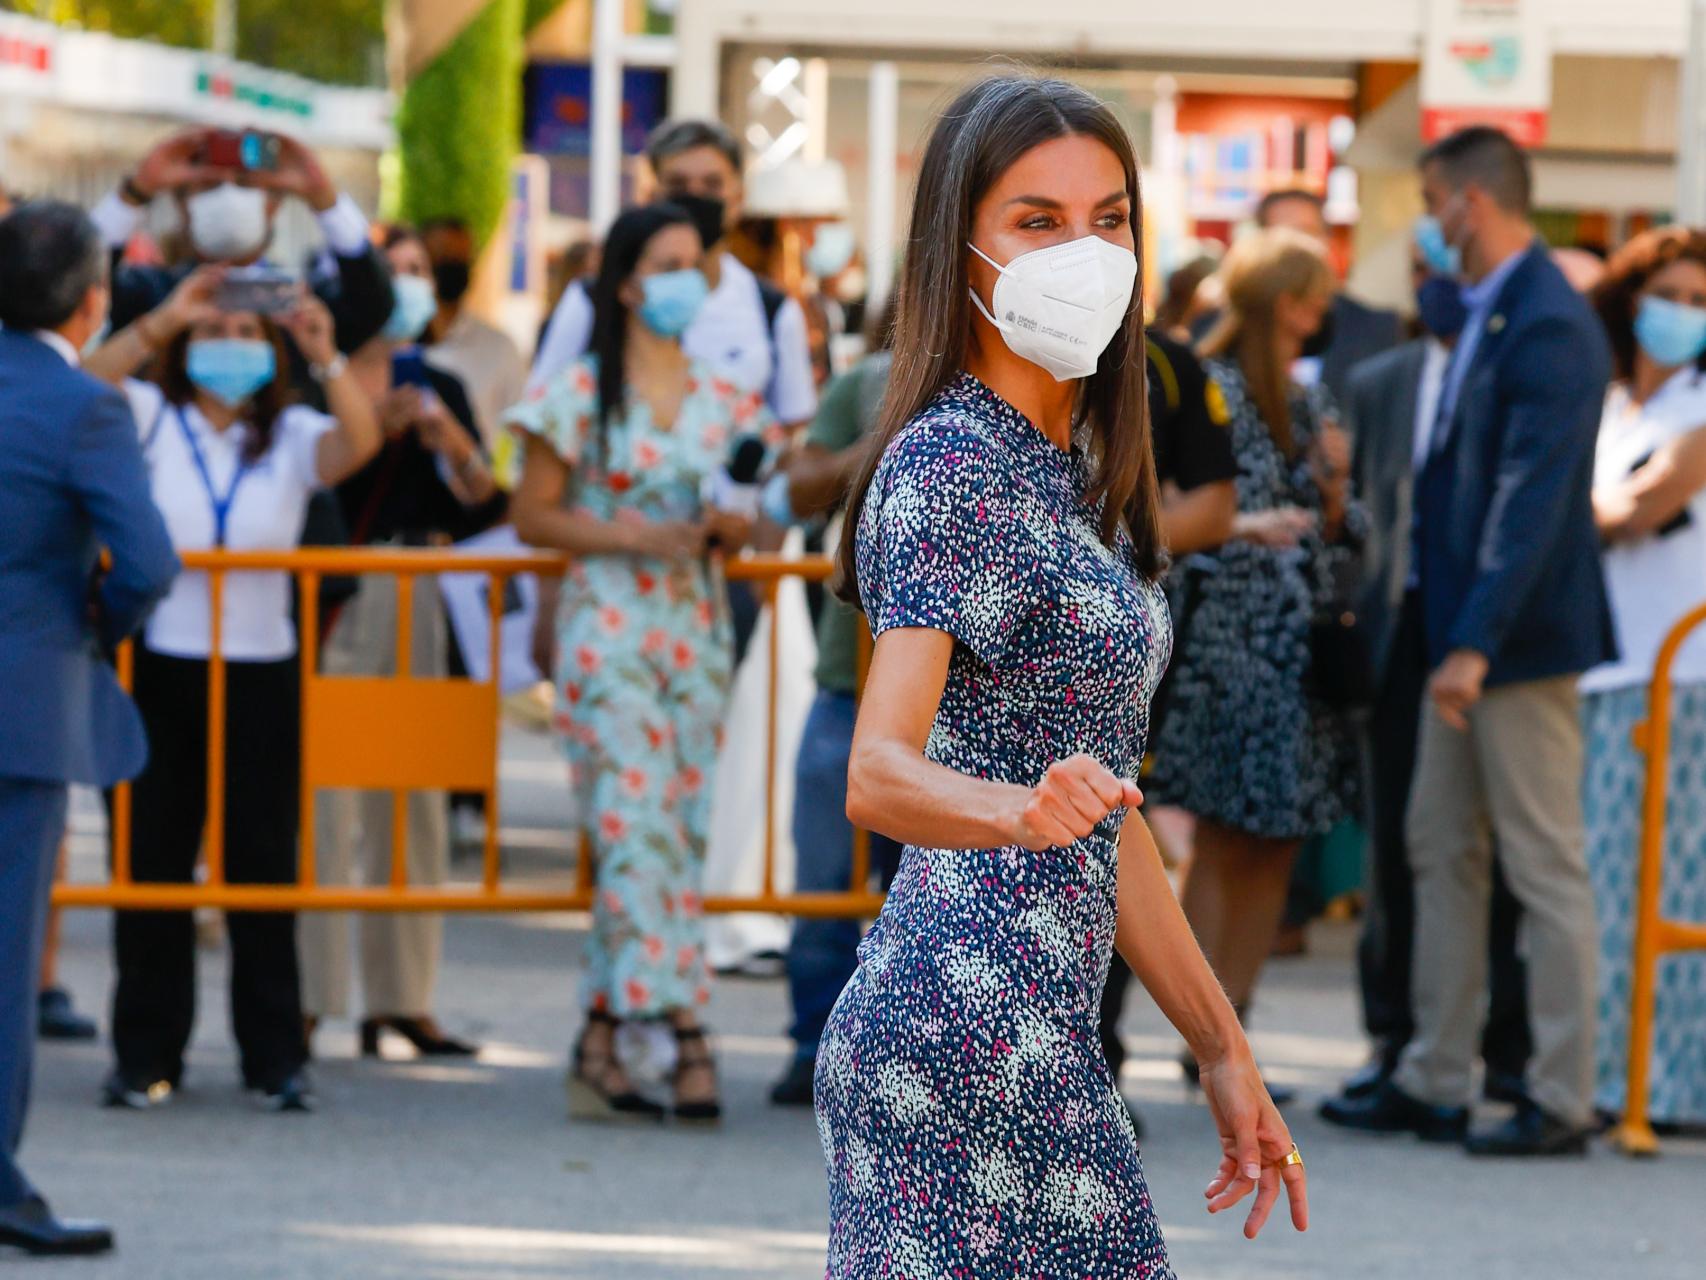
point(1380, 412)
point(74, 482)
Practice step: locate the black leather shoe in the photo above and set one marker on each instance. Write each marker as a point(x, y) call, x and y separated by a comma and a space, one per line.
point(1362, 1084)
point(57, 1018)
point(293, 1093)
point(1502, 1086)
point(125, 1094)
point(1390, 1110)
point(31, 1226)
point(1532, 1131)
point(795, 1088)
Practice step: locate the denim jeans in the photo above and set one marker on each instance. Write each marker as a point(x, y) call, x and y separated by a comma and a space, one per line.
point(824, 953)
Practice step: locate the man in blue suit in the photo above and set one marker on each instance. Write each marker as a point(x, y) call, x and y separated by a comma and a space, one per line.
point(1505, 564)
point(75, 482)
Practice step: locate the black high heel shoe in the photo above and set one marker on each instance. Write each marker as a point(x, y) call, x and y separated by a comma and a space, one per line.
point(590, 1097)
point(693, 1054)
point(425, 1034)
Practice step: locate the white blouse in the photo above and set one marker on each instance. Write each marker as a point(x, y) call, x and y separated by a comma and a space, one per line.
point(1655, 580)
point(210, 497)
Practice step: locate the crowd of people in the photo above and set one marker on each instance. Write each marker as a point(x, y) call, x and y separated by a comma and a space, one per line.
point(1412, 577)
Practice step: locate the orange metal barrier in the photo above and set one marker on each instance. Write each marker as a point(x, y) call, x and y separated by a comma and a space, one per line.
point(1655, 936)
point(406, 733)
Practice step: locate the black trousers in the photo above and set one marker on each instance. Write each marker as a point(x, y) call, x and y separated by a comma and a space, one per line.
point(1385, 951)
point(154, 999)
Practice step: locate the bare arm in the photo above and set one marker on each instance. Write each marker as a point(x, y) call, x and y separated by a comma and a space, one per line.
point(1200, 518)
point(894, 789)
point(1647, 500)
point(542, 521)
point(1155, 940)
point(128, 350)
point(819, 477)
point(345, 449)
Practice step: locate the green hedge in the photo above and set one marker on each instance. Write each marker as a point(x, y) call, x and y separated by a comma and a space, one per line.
point(459, 123)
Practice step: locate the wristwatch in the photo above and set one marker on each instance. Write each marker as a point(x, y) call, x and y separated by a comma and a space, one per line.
point(333, 368)
point(133, 194)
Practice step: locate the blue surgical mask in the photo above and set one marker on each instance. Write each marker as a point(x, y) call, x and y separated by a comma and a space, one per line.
point(414, 309)
point(672, 299)
point(831, 250)
point(230, 369)
point(1440, 307)
point(1670, 332)
point(1443, 257)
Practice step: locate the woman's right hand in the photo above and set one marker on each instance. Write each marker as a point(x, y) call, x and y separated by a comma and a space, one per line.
point(1276, 527)
point(1066, 806)
point(190, 303)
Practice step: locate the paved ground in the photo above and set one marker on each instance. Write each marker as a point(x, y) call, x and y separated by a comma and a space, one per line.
point(451, 1173)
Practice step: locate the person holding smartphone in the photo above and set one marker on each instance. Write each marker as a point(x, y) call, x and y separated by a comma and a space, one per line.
point(233, 458)
point(228, 187)
point(429, 485)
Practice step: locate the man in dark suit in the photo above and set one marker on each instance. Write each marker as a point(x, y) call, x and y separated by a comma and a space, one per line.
point(1507, 573)
point(1390, 406)
point(227, 214)
point(75, 482)
point(1353, 331)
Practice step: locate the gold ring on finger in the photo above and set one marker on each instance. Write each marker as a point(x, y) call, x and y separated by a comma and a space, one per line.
point(1292, 1157)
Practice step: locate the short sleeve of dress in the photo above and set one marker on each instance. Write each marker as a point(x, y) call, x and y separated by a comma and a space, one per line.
point(943, 543)
point(558, 411)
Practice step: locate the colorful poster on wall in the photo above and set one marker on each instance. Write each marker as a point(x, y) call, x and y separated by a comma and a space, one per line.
point(1487, 62)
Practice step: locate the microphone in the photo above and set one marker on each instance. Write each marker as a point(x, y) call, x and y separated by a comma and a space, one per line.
point(734, 486)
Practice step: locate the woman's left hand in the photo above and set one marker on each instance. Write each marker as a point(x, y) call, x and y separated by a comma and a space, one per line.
point(441, 433)
point(1254, 1143)
point(309, 325)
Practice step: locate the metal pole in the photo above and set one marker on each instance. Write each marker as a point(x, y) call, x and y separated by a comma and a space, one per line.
point(606, 160)
point(1691, 131)
point(883, 126)
point(225, 28)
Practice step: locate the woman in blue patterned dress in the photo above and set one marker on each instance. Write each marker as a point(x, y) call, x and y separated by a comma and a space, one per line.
point(1003, 542)
point(618, 447)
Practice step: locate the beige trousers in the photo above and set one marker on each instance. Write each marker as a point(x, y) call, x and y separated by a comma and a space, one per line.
point(352, 829)
point(1516, 773)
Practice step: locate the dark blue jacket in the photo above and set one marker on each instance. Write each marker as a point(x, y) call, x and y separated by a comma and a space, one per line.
point(1508, 556)
point(72, 481)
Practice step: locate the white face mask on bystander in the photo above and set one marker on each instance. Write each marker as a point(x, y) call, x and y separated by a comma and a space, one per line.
point(1059, 307)
point(228, 223)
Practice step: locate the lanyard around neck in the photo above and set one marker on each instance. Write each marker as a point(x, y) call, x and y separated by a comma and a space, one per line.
point(221, 504)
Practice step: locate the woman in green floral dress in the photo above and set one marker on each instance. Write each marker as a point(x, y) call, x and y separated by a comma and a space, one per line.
point(620, 449)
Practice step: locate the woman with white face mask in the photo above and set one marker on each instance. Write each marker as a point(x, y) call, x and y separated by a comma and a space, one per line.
point(429, 485)
point(1649, 499)
point(233, 460)
point(1003, 540)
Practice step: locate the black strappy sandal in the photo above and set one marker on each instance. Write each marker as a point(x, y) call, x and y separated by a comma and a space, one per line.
point(589, 1099)
point(693, 1054)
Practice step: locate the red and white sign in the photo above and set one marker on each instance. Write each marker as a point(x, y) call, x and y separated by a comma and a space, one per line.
point(1486, 62)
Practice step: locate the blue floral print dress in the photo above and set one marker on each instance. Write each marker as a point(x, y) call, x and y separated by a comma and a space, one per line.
point(968, 1119)
point(644, 653)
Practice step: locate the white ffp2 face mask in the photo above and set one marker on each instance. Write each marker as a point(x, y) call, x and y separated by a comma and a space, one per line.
point(228, 223)
point(1059, 307)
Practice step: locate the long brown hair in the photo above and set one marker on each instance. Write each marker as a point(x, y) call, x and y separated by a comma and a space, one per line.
point(1618, 292)
point(977, 139)
point(1259, 270)
point(264, 406)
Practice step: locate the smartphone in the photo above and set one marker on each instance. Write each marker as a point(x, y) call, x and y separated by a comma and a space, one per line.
point(254, 150)
point(261, 289)
point(409, 369)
